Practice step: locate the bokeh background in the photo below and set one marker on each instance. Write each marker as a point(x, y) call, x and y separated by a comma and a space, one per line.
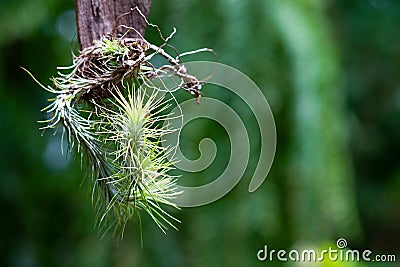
point(331, 73)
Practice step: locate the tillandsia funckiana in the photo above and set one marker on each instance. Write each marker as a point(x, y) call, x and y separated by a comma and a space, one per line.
point(111, 111)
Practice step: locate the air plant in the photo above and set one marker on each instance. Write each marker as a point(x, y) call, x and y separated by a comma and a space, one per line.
point(110, 112)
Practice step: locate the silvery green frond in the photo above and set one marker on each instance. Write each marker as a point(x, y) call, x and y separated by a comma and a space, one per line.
point(140, 179)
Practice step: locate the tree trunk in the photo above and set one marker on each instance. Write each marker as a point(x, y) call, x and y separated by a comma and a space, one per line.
point(96, 18)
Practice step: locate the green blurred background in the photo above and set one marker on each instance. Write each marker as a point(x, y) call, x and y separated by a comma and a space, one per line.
point(331, 73)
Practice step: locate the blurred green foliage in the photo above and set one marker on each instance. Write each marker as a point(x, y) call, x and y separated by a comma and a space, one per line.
point(329, 70)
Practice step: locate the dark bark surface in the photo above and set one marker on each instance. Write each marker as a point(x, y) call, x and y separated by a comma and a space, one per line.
point(95, 18)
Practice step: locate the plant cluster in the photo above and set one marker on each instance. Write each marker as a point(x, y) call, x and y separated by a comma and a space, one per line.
point(110, 109)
